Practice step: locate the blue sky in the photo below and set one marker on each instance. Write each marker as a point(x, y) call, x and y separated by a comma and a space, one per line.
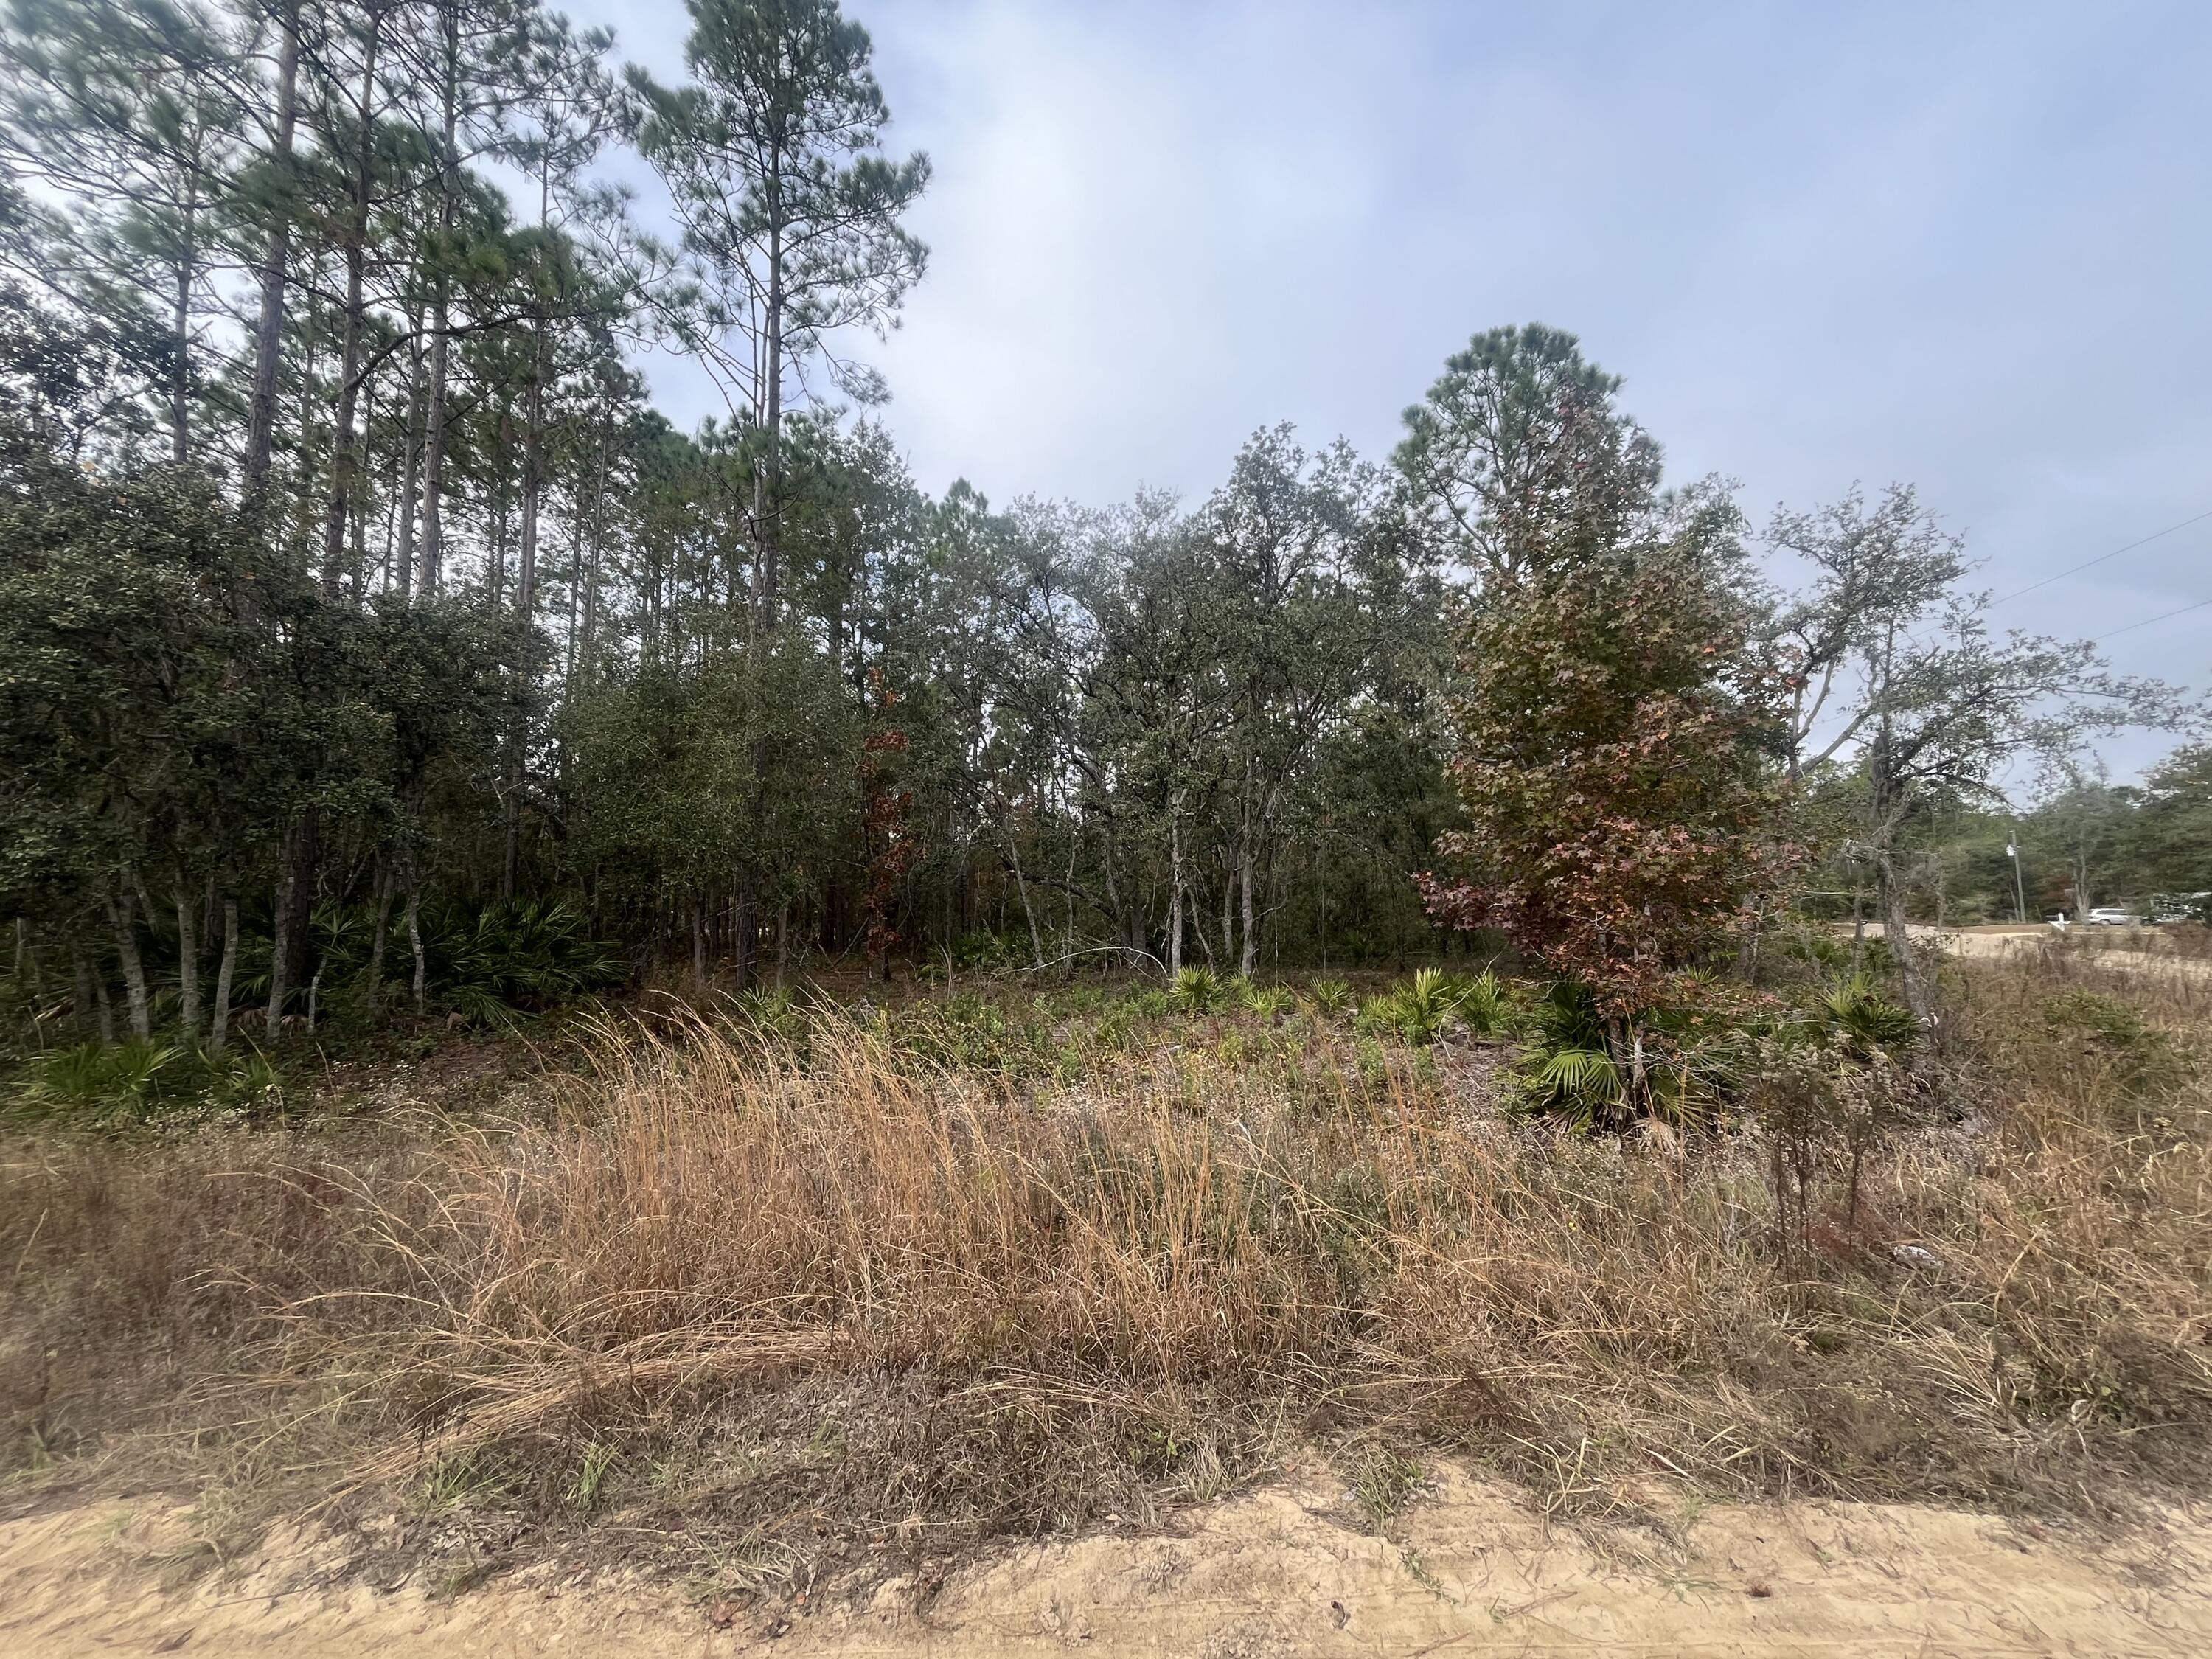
point(1967, 245)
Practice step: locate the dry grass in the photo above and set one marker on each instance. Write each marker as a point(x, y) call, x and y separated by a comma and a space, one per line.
point(794, 1300)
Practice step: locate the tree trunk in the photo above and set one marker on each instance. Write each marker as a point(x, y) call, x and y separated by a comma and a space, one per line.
point(180, 371)
point(495, 581)
point(411, 462)
point(1014, 857)
point(767, 483)
point(84, 1004)
point(698, 945)
point(1175, 887)
point(434, 430)
point(269, 331)
point(421, 984)
point(123, 918)
point(384, 886)
point(219, 1019)
point(188, 965)
point(284, 923)
point(1912, 969)
point(104, 1010)
point(345, 463)
point(745, 924)
point(282, 939)
point(1247, 871)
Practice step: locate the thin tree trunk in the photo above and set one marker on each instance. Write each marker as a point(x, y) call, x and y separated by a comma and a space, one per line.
point(188, 965)
point(421, 984)
point(219, 1019)
point(1228, 914)
point(84, 1004)
point(698, 945)
point(1247, 872)
point(434, 432)
point(269, 331)
point(345, 463)
point(1175, 887)
point(104, 1009)
point(495, 585)
point(280, 945)
point(745, 924)
point(1014, 857)
point(768, 482)
point(123, 918)
point(303, 481)
point(1912, 969)
point(384, 886)
point(410, 466)
point(180, 370)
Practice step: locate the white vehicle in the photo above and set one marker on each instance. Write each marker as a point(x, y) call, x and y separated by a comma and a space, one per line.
point(2113, 915)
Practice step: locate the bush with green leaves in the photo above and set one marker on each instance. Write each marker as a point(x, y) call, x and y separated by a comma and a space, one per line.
point(1330, 997)
point(513, 956)
point(1267, 1001)
point(1865, 1021)
point(139, 1081)
point(1483, 1004)
point(1568, 1069)
point(1379, 1016)
point(1682, 1060)
point(1197, 990)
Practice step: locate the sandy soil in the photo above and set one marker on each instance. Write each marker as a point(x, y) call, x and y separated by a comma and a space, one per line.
point(1467, 1571)
point(2131, 950)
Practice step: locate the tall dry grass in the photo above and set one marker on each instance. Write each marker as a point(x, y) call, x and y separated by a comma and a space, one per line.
point(912, 1295)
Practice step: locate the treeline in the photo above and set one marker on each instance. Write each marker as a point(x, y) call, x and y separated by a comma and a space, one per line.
point(363, 630)
point(2087, 842)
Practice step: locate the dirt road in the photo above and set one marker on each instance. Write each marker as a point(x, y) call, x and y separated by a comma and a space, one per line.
point(2127, 950)
point(1467, 1570)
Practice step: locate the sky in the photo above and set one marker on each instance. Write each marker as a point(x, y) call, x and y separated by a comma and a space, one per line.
point(1964, 245)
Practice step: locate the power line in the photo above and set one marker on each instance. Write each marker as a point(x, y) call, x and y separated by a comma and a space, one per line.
point(2154, 536)
point(2148, 621)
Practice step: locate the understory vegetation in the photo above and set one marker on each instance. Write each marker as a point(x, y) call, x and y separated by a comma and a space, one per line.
point(794, 1287)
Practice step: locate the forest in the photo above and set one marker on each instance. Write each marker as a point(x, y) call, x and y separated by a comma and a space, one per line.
point(371, 640)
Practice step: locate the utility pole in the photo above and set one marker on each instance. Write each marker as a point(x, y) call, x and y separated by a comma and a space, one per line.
point(2012, 852)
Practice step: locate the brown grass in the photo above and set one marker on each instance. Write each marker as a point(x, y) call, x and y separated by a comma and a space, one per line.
point(798, 1297)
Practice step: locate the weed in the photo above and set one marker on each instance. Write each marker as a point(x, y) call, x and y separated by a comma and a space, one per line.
point(583, 1492)
point(1383, 1483)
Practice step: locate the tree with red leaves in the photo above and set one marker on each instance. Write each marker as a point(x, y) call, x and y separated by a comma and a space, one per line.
point(1615, 761)
point(1621, 730)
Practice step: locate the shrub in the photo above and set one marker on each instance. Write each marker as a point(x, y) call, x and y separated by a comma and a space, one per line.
point(1197, 990)
point(1569, 1068)
point(1484, 1005)
point(514, 955)
point(1268, 1002)
point(1866, 1022)
point(139, 1081)
point(1330, 997)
